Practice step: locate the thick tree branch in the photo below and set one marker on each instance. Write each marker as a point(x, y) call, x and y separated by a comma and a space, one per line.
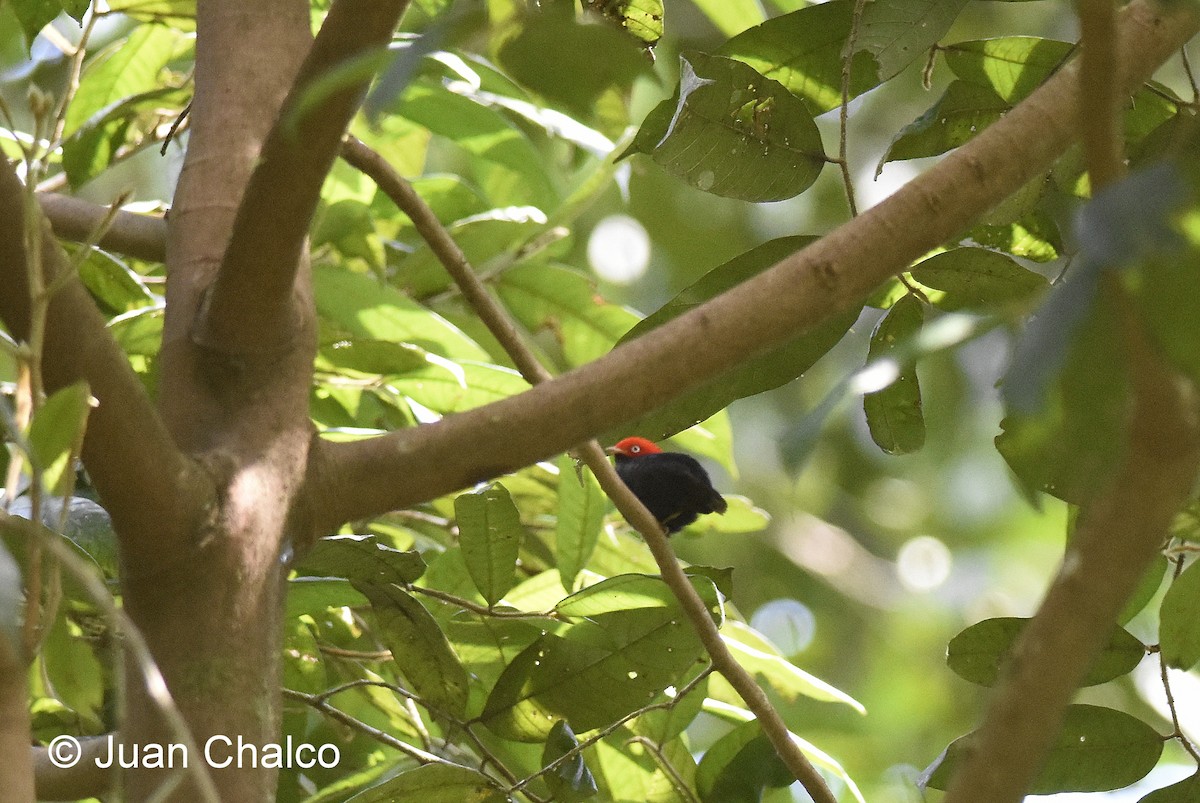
point(1100, 95)
point(250, 307)
point(145, 481)
point(400, 469)
point(83, 780)
point(140, 236)
point(1118, 535)
point(505, 330)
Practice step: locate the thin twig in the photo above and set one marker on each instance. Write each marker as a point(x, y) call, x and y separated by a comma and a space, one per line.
point(614, 727)
point(482, 610)
point(1191, 75)
point(1178, 733)
point(844, 112)
point(505, 330)
point(666, 766)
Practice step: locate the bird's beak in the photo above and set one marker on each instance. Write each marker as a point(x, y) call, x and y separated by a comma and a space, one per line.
point(610, 450)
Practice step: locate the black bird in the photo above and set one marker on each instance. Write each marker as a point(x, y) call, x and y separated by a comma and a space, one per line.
point(673, 486)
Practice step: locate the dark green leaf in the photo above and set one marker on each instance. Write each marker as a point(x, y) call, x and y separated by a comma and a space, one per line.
point(732, 132)
point(570, 676)
point(1169, 291)
point(315, 595)
point(564, 304)
point(570, 781)
point(362, 306)
point(897, 32)
point(490, 532)
point(570, 63)
point(1011, 66)
point(962, 112)
point(740, 766)
point(434, 783)
point(56, 435)
point(769, 370)
point(361, 558)
point(74, 671)
point(1179, 631)
point(1186, 791)
point(1145, 591)
point(641, 19)
point(977, 279)
point(894, 413)
point(419, 648)
point(35, 15)
point(581, 508)
point(1098, 749)
point(978, 653)
point(349, 226)
point(113, 284)
point(803, 51)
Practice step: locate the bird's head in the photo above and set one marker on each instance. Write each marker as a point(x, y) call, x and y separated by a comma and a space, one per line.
point(634, 447)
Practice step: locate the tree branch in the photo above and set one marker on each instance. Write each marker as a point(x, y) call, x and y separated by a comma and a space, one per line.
point(1100, 96)
point(250, 307)
point(1119, 533)
point(502, 327)
point(142, 477)
point(140, 236)
point(366, 477)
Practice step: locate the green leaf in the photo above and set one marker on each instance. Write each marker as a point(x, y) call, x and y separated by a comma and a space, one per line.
point(481, 132)
point(1011, 66)
point(56, 435)
point(732, 132)
point(434, 783)
point(314, 596)
point(641, 19)
point(755, 653)
point(978, 279)
point(1167, 282)
point(962, 112)
point(1146, 590)
point(112, 283)
point(978, 653)
point(37, 14)
point(1098, 749)
point(481, 238)
point(1179, 631)
point(77, 677)
point(365, 308)
point(125, 74)
point(628, 592)
point(490, 532)
point(571, 676)
point(776, 367)
point(556, 57)
point(565, 305)
point(88, 533)
point(572, 780)
point(451, 387)
point(897, 32)
point(894, 413)
point(361, 558)
point(419, 648)
point(1186, 791)
point(803, 52)
point(349, 226)
point(732, 16)
point(1034, 236)
point(581, 508)
point(740, 766)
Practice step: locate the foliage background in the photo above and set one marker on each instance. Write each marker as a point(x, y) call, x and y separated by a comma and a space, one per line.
point(880, 559)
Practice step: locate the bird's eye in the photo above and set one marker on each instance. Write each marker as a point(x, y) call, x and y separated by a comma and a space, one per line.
point(635, 449)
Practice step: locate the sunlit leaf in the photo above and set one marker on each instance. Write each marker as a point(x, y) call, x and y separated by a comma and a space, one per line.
point(732, 16)
point(1096, 750)
point(962, 112)
point(581, 507)
point(894, 414)
point(803, 51)
point(978, 653)
point(641, 19)
point(732, 132)
point(56, 435)
point(978, 279)
point(1179, 631)
point(897, 32)
point(435, 783)
point(419, 648)
point(1011, 66)
point(490, 533)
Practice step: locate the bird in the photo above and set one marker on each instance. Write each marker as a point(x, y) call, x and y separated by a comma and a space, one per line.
point(673, 486)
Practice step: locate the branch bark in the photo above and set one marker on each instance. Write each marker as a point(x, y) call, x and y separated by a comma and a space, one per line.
point(140, 236)
point(505, 330)
point(359, 478)
point(1118, 535)
point(251, 307)
point(145, 481)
